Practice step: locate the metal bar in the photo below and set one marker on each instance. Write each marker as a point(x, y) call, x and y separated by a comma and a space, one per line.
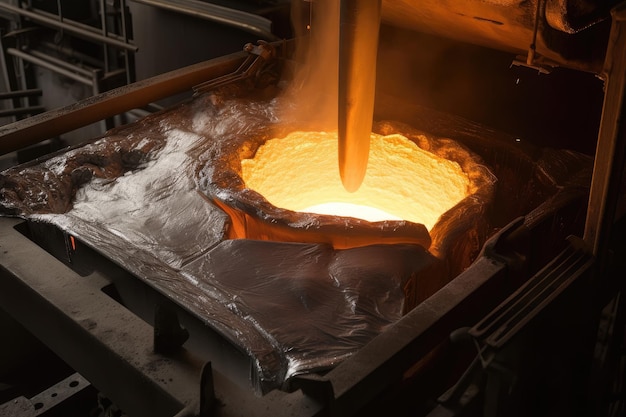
point(611, 146)
point(105, 31)
point(59, 392)
point(55, 122)
point(60, 62)
point(236, 18)
point(9, 75)
point(259, 55)
point(71, 53)
point(21, 111)
point(49, 65)
point(33, 92)
point(539, 292)
point(68, 27)
point(127, 58)
point(541, 285)
point(60, 10)
point(532, 48)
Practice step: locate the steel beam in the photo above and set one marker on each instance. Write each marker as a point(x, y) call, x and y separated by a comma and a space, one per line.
point(91, 332)
point(93, 109)
point(611, 146)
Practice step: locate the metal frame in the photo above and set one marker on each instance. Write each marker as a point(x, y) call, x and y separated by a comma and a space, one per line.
point(611, 146)
point(101, 76)
point(82, 323)
point(120, 346)
point(75, 28)
point(55, 122)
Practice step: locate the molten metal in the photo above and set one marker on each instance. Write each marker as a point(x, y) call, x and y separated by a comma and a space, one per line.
point(402, 181)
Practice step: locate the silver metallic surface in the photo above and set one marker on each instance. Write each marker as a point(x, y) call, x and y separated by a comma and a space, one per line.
point(58, 393)
point(19, 406)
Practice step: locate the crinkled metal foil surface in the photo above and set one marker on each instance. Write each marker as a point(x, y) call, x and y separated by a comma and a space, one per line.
point(142, 197)
point(137, 196)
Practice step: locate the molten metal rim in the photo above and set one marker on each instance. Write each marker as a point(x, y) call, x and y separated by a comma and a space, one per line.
point(253, 216)
point(402, 182)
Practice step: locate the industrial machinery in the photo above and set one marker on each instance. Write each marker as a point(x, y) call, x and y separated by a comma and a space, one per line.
point(523, 317)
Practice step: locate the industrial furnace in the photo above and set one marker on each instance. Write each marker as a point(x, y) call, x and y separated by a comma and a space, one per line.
point(163, 264)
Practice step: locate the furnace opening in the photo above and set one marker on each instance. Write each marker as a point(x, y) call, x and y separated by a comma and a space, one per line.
point(428, 190)
point(403, 182)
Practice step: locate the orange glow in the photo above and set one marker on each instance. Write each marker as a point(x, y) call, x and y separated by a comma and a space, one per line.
point(371, 214)
point(402, 181)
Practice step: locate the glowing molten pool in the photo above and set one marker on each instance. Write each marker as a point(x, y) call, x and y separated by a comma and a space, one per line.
point(403, 182)
point(422, 190)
